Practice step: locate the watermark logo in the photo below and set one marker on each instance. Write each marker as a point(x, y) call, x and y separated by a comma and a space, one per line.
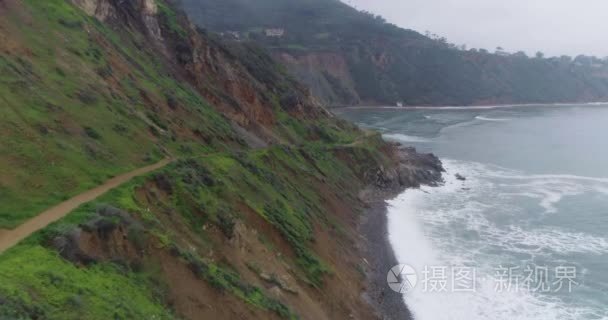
point(435, 279)
point(402, 278)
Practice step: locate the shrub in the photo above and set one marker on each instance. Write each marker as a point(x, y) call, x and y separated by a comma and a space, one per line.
point(87, 97)
point(92, 133)
point(226, 222)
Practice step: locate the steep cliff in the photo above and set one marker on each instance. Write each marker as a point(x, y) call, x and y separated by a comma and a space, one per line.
point(256, 214)
point(81, 91)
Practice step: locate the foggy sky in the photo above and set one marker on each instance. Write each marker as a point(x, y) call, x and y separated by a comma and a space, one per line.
point(554, 27)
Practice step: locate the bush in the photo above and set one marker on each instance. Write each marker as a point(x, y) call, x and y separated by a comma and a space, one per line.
point(226, 222)
point(87, 97)
point(92, 133)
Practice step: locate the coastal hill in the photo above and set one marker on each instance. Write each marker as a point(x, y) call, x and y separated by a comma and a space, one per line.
point(150, 170)
point(348, 57)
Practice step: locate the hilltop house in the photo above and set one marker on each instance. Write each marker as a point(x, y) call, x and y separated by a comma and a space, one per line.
point(275, 32)
point(502, 53)
point(233, 35)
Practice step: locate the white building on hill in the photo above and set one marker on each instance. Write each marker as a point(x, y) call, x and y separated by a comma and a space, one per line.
point(275, 32)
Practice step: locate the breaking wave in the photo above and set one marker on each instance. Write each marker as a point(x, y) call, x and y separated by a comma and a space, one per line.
point(405, 138)
point(482, 222)
point(491, 119)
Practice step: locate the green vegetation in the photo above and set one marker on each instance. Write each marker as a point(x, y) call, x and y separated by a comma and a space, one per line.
point(38, 284)
point(84, 100)
point(223, 279)
point(386, 64)
point(209, 191)
point(279, 184)
point(171, 18)
point(71, 121)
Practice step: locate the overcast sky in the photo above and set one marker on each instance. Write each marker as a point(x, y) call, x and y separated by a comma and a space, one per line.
point(553, 26)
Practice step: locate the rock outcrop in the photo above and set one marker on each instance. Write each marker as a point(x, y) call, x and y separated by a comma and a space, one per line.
point(410, 170)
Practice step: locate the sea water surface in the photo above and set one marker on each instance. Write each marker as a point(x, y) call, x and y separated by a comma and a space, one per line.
point(532, 213)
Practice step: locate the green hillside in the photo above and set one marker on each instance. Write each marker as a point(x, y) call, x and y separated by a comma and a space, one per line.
point(82, 102)
point(352, 57)
point(79, 107)
point(245, 222)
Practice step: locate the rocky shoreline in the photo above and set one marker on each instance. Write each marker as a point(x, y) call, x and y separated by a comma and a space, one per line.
point(414, 169)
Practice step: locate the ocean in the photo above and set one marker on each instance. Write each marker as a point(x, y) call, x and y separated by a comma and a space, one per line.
point(525, 234)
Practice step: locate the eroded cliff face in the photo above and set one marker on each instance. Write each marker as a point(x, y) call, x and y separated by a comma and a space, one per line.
point(248, 94)
point(108, 9)
point(224, 82)
point(326, 73)
point(101, 9)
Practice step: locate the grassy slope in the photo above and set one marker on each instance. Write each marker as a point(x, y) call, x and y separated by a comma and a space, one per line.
point(276, 183)
point(80, 104)
point(38, 284)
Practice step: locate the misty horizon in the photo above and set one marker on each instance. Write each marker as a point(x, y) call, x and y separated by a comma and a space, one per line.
point(529, 26)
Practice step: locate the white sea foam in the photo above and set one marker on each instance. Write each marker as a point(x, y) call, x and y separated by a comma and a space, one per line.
point(602, 190)
point(549, 193)
point(486, 107)
point(447, 129)
point(404, 138)
point(553, 177)
point(555, 240)
point(491, 119)
point(467, 224)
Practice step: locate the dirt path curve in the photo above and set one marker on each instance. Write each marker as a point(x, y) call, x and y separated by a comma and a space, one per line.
point(9, 238)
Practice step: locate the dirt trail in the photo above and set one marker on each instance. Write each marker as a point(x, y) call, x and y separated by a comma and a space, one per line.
point(9, 238)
